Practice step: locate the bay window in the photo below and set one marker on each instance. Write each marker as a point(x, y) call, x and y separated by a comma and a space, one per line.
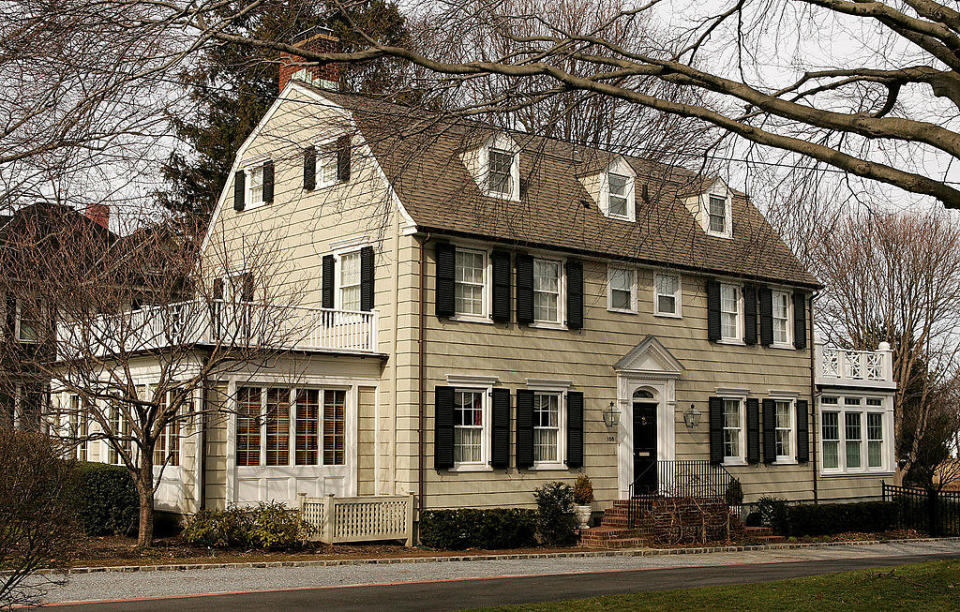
point(855, 435)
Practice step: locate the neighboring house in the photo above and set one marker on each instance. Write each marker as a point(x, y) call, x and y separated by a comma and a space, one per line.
point(493, 311)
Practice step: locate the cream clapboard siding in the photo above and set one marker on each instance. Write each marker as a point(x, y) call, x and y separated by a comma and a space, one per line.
point(366, 437)
point(215, 471)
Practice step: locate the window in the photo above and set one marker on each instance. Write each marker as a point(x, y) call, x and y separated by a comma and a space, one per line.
point(307, 426)
point(255, 186)
point(830, 430)
point(730, 312)
point(546, 291)
point(784, 429)
point(334, 427)
point(781, 317)
point(468, 424)
point(248, 426)
point(278, 426)
point(853, 439)
point(499, 171)
point(622, 283)
point(327, 164)
point(732, 431)
point(167, 448)
point(617, 199)
point(470, 272)
point(29, 319)
point(350, 281)
point(546, 427)
point(79, 427)
point(113, 457)
point(718, 214)
point(666, 298)
point(874, 440)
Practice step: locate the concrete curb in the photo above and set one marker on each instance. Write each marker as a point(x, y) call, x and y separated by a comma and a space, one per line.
point(626, 552)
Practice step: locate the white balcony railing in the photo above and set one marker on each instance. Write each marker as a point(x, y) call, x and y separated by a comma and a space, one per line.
point(220, 323)
point(844, 367)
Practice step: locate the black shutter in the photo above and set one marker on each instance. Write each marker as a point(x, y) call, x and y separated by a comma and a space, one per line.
point(524, 289)
point(574, 294)
point(366, 278)
point(750, 314)
point(268, 182)
point(343, 159)
point(247, 287)
point(446, 286)
point(716, 430)
point(443, 428)
point(574, 429)
point(500, 453)
point(803, 431)
point(239, 188)
point(799, 320)
point(329, 265)
point(713, 310)
point(310, 169)
point(766, 316)
point(11, 306)
point(769, 431)
point(218, 289)
point(524, 428)
point(753, 430)
point(501, 286)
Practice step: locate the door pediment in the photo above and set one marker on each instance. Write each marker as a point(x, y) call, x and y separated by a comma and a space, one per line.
point(649, 357)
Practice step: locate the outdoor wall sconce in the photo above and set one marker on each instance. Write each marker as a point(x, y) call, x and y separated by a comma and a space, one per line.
point(692, 417)
point(611, 416)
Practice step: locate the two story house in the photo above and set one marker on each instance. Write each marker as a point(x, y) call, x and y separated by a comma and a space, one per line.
point(490, 311)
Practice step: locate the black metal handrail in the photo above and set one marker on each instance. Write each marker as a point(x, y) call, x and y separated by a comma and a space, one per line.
point(696, 478)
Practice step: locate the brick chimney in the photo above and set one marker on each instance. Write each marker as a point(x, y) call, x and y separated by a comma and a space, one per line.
point(99, 214)
point(320, 40)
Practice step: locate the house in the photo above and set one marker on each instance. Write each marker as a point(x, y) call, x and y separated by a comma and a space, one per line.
point(488, 311)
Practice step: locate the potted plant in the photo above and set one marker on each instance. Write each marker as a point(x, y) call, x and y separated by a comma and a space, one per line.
point(583, 497)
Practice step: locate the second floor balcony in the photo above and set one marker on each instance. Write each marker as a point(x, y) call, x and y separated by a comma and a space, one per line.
point(838, 367)
point(222, 324)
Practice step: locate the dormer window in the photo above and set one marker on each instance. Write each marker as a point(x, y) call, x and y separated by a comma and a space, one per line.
point(617, 197)
point(718, 214)
point(499, 172)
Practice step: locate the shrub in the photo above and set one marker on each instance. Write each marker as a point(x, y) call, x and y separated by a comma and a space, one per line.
point(734, 493)
point(556, 522)
point(107, 501)
point(583, 490)
point(269, 526)
point(826, 519)
point(473, 528)
point(773, 514)
point(753, 519)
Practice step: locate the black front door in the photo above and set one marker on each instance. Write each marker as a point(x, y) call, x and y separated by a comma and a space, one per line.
point(644, 447)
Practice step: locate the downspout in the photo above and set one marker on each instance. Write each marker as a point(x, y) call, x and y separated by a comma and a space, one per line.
point(421, 325)
point(202, 445)
point(813, 399)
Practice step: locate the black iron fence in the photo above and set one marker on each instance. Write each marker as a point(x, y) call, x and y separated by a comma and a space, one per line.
point(695, 478)
point(933, 512)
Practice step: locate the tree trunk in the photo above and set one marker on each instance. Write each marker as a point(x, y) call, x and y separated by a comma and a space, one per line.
point(145, 491)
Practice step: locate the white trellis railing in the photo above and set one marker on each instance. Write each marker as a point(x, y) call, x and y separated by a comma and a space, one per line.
point(837, 366)
point(359, 519)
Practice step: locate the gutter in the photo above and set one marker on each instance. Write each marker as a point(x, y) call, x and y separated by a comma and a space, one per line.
point(813, 400)
point(202, 445)
point(421, 326)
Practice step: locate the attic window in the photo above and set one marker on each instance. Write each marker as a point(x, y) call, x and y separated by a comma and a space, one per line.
point(617, 198)
point(617, 203)
point(718, 215)
point(500, 172)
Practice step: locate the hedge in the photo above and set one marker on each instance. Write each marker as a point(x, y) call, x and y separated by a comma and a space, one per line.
point(828, 519)
point(107, 500)
point(473, 528)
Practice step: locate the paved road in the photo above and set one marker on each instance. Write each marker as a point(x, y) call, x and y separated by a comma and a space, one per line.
point(446, 586)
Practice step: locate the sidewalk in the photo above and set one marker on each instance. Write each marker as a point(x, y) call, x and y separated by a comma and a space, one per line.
point(100, 586)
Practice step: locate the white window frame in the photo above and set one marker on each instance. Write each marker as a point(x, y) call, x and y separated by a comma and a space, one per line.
point(19, 327)
point(484, 316)
point(738, 337)
point(788, 343)
point(338, 293)
point(740, 459)
point(483, 465)
point(728, 214)
point(248, 170)
point(561, 431)
point(842, 408)
point(677, 296)
point(501, 142)
point(791, 457)
point(559, 323)
point(629, 196)
point(632, 276)
point(323, 162)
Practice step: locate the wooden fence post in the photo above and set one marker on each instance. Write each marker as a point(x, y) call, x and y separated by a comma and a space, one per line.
point(329, 519)
point(409, 525)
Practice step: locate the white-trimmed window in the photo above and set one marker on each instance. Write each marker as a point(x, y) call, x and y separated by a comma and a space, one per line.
point(167, 447)
point(546, 291)
point(666, 294)
point(254, 186)
point(29, 319)
point(500, 172)
point(730, 312)
point(618, 195)
point(349, 286)
point(470, 282)
point(781, 318)
point(327, 164)
point(733, 443)
point(784, 431)
point(120, 426)
point(546, 428)
point(469, 425)
point(717, 211)
point(622, 284)
point(855, 435)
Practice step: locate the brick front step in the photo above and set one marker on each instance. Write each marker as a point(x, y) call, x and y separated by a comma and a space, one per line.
point(757, 532)
point(617, 543)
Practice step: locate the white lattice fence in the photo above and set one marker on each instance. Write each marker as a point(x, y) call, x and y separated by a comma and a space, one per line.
point(360, 519)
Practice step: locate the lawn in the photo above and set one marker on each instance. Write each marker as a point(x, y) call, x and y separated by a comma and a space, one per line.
point(925, 586)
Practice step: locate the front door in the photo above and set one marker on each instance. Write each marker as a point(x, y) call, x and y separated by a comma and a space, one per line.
point(644, 447)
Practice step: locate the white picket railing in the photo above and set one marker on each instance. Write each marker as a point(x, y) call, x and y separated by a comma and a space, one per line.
point(844, 367)
point(220, 323)
point(359, 519)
